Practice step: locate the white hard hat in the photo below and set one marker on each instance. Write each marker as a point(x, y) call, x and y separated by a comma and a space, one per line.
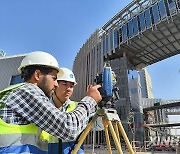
point(68, 75)
point(40, 58)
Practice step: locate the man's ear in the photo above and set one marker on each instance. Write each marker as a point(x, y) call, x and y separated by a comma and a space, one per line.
point(38, 75)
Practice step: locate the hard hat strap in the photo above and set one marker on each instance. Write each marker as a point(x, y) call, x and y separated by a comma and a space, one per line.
point(58, 98)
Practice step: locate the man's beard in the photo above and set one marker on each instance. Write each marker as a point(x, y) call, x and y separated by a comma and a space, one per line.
point(45, 87)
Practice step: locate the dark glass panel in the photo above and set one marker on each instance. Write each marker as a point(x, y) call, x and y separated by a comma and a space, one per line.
point(135, 25)
point(162, 9)
point(148, 18)
point(120, 39)
point(130, 28)
point(172, 6)
point(142, 21)
point(104, 47)
point(178, 4)
point(116, 38)
point(16, 79)
point(124, 32)
point(155, 13)
point(111, 41)
point(107, 45)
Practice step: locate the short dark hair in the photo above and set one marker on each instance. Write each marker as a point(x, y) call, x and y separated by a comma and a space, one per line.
point(28, 71)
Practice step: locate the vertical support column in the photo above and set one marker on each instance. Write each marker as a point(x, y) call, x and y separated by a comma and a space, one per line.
point(120, 67)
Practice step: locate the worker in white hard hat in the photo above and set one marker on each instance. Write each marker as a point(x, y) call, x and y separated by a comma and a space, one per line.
point(61, 99)
point(26, 109)
point(65, 89)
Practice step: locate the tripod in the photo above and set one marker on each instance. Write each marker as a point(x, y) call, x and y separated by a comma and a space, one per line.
point(110, 119)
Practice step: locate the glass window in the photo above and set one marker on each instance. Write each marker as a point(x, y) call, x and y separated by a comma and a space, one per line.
point(116, 38)
point(99, 54)
point(155, 12)
point(148, 18)
point(135, 25)
point(111, 41)
point(130, 28)
point(104, 47)
point(162, 9)
point(124, 32)
point(172, 6)
point(107, 45)
point(178, 4)
point(120, 35)
point(16, 79)
point(142, 21)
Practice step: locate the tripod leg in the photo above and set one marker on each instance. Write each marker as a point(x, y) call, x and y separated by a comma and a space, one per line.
point(107, 136)
point(125, 138)
point(116, 130)
point(118, 147)
point(84, 134)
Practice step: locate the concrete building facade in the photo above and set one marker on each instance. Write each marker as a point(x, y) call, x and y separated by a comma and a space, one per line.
point(146, 84)
point(88, 63)
point(9, 70)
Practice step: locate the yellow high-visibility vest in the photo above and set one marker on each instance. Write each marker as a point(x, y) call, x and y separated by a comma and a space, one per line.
point(50, 138)
point(20, 138)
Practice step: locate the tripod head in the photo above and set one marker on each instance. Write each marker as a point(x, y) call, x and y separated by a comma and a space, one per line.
point(109, 91)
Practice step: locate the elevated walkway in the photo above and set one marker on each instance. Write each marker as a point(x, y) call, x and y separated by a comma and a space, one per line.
point(146, 31)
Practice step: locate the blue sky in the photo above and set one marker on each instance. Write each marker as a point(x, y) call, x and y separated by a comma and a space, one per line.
point(60, 27)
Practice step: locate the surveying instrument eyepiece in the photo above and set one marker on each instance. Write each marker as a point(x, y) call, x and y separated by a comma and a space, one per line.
point(110, 118)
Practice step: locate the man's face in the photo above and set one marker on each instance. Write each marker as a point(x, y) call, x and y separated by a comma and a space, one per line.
point(65, 90)
point(48, 83)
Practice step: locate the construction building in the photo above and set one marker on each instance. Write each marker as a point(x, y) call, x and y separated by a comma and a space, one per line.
point(146, 84)
point(9, 70)
point(141, 34)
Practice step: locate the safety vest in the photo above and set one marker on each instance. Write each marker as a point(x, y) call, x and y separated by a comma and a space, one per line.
point(49, 137)
point(70, 145)
point(20, 138)
point(71, 106)
point(53, 141)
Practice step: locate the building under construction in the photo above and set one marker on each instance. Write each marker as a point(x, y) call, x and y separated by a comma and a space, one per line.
point(143, 33)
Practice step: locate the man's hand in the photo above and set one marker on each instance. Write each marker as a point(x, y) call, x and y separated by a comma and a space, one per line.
point(93, 92)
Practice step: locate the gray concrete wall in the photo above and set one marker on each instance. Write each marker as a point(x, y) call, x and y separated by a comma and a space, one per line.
point(8, 68)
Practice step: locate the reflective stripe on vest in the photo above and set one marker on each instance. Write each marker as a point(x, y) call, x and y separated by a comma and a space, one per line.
point(19, 138)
